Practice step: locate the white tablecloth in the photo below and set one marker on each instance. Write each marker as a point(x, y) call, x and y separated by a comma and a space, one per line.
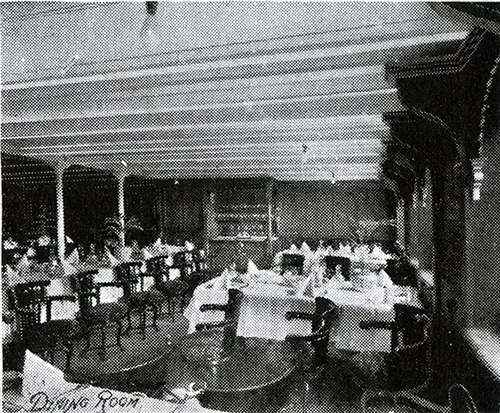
point(264, 307)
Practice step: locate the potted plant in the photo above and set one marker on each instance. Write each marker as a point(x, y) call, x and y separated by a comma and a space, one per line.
point(115, 230)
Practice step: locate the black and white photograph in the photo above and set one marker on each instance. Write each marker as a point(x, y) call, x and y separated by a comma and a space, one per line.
point(250, 206)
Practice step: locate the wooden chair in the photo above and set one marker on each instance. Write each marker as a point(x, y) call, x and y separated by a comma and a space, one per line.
point(402, 272)
point(405, 370)
point(174, 289)
point(43, 338)
point(312, 368)
point(12, 256)
point(459, 401)
point(138, 299)
point(331, 264)
point(229, 325)
point(94, 314)
point(321, 323)
point(293, 263)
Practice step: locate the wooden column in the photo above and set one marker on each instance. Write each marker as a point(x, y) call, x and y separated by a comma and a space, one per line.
point(121, 173)
point(61, 235)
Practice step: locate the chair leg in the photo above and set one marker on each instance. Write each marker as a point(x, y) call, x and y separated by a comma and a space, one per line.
point(155, 318)
point(87, 343)
point(364, 401)
point(69, 346)
point(102, 347)
point(119, 334)
point(129, 320)
point(143, 322)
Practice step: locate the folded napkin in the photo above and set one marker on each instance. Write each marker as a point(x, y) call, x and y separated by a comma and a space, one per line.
point(23, 263)
point(68, 268)
point(188, 246)
point(293, 249)
point(252, 268)
point(306, 287)
point(112, 261)
point(146, 254)
point(13, 277)
point(73, 258)
point(222, 282)
point(343, 251)
point(377, 253)
point(31, 252)
point(329, 250)
point(305, 249)
point(158, 242)
point(9, 244)
point(385, 280)
point(44, 240)
point(124, 254)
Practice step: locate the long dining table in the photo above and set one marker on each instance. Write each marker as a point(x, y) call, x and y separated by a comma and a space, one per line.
point(265, 304)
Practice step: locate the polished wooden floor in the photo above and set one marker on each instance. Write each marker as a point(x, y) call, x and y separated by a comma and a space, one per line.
point(331, 391)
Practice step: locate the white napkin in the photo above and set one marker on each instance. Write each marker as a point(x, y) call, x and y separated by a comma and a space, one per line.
point(306, 287)
point(9, 244)
point(222, 282)
point(113, 262)
point(378, 254)
point(293, 249)
point(124, 254)
point(158, 242)
point(23, 263)
point(12, 276)
point(385, 280)
point(146, 254)
point(189, 246)
point(329, 250)
point(305, 249)
point(68, 268)
point(252, 268)
point(31, 252)
point(73, 258)
point(44, 240)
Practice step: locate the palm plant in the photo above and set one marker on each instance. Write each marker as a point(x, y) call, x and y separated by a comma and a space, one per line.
point(113, 229)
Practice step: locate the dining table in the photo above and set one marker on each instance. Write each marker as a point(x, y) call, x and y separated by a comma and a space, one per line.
point(268, 297)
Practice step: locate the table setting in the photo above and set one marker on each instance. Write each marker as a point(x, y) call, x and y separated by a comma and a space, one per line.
point(368, 295)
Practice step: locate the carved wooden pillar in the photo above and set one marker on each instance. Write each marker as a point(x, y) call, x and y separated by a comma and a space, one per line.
point(445, 97)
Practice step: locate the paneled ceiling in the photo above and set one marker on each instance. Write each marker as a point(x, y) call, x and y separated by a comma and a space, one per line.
point(293, 91)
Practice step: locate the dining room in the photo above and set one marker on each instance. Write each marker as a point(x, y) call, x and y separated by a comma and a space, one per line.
point(250, 206)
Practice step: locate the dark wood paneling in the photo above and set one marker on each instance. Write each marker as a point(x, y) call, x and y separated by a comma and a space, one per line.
point(320, 210)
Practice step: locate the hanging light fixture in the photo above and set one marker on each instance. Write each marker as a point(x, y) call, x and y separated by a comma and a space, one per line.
point(149, 30)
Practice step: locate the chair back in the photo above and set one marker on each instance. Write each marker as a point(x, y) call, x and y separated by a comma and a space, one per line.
point(325, 313)
point(28, 300)
point(332, 263)
point(408, 366)
point(87, 290)
point(231, 318)
point(44, 253)
point(460, 400)
point(402, 272)
point(292, 262)
point(12, 256)
point(183, 261)
point(130, 274)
